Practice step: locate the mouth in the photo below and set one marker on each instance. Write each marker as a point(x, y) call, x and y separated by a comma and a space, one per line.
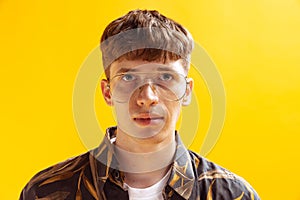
point(147, 119)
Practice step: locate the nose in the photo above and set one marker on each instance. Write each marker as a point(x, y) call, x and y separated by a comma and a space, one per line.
point(147, 95)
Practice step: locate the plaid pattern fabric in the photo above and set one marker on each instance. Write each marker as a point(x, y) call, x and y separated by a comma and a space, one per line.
point(84, 177)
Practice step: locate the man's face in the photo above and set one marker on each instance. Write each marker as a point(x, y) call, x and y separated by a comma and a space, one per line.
point(147, 96)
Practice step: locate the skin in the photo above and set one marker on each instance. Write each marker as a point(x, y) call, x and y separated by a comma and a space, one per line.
point(140, 103)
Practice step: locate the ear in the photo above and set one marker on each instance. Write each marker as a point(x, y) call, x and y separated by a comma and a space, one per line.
point(106, 92)
point(188, 94)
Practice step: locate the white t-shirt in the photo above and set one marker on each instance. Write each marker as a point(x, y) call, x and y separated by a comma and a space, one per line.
point(153, 192)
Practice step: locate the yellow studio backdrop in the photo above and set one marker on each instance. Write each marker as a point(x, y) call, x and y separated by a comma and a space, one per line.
point(255, 45)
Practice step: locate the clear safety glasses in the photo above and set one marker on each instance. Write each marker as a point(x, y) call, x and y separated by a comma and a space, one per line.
point(168, 85)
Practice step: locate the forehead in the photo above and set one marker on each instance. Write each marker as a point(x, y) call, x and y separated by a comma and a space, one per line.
point(145, 66)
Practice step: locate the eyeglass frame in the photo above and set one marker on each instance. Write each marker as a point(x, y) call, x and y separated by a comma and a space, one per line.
point(124, 73)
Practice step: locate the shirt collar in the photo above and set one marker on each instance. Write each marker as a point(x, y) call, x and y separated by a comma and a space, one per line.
point(102, 159)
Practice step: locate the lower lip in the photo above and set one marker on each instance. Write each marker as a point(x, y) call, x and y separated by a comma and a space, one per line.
point(147, 122)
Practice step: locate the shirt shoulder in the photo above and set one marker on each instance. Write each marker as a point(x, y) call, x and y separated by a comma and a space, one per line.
point(64, 180)
point(215, 182)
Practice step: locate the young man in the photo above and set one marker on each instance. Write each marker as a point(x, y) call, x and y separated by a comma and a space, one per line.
point(146, 58)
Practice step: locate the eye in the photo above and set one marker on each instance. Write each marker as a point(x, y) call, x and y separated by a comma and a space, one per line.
point(166, 77)
point(128, 77)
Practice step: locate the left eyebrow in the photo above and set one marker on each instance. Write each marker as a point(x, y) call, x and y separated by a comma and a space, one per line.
point(165, 69)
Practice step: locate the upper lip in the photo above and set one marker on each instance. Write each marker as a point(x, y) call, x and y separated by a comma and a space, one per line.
point(147, 116)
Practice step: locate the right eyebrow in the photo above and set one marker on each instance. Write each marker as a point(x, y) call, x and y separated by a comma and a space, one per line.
point(123, 70)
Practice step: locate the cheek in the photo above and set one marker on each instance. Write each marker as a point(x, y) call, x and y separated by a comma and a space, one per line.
point(132, 103)
point(174, 111)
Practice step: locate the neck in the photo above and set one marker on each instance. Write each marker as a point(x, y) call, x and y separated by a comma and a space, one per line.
point(144, 161)
point(144, 180)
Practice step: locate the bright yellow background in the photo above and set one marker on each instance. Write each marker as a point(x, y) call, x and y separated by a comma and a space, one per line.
point(255, 44)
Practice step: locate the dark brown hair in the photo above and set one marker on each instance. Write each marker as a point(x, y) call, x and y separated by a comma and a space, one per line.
point(163, 39)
